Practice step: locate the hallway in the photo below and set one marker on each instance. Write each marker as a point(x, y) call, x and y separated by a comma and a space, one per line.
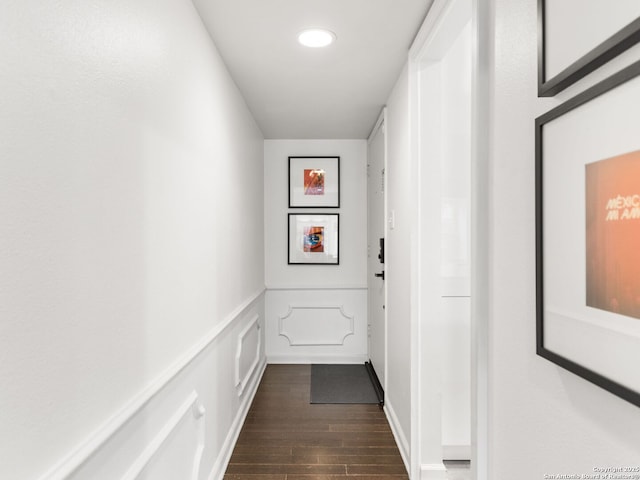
point(286, 438)
point(155, 287)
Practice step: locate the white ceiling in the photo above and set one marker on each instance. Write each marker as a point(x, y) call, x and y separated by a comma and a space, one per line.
point(298, 92)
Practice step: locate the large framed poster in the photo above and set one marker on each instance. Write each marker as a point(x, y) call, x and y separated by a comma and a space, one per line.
point(588, 234)
point(575, 37)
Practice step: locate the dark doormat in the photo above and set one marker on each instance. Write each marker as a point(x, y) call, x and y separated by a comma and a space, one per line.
point(341, 384)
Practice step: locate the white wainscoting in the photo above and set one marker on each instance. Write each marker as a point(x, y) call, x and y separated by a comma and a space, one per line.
point(185, 423)
point(176, 450)
point(248, 353)
point(316, 325)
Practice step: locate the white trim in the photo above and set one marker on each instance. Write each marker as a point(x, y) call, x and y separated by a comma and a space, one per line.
point(481, 133)
point(308, 359)
point(198, 412)
point(428, 29)
point(81, 453)
point(303, 343)
point(387, 227)
point(380, 123)
point(241, 383)
point(415, 330)
point(275, 288)
point(456, 452)
point(436, 471)
point(429, 41)
point(398, 434)
point(189, 405)
point(220, 465)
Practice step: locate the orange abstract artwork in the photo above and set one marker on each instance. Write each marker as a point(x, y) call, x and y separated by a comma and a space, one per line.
point(313, 181)
point(313, 239)
point(613, 234)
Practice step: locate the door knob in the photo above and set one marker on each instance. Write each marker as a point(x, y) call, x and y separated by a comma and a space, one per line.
point(379, 275)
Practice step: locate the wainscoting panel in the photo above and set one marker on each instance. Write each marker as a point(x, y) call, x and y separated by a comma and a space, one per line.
point(176, 450)
point(183, 425)
point(248, 353)
point(316, 325)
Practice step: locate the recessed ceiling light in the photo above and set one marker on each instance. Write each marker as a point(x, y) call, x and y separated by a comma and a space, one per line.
point(316, 37)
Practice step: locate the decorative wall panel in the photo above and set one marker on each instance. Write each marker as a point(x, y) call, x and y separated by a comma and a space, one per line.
point(316, 325)
point(248, 353)
point(176, 450)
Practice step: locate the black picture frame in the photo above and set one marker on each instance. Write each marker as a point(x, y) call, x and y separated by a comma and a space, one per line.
point(304, 195)
point(308, 231)
point(613, 46)
point(624, 391)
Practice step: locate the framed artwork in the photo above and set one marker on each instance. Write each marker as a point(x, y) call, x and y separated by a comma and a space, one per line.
point(575, 37)
point(588, 234)
point(314, 182)
point(314, 238)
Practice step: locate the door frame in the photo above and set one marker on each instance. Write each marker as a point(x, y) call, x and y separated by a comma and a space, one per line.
point(423, 408)
point(380, 124)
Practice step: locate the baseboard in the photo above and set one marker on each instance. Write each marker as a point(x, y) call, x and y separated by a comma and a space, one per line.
point(436, 471)
point(224, 456)
point(398, 434)
point(276, 288)
point(308, 359)
point(456, 452)
point(375, 381)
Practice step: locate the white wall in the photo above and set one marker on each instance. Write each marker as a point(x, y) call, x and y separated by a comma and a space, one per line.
point(401, 199)
point(129, 227)
point(542, 419)
point(316, 313)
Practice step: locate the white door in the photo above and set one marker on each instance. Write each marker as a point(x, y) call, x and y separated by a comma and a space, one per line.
point(376, 283)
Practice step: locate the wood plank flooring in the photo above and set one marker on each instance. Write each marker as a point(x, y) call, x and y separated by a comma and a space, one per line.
point(286, 438)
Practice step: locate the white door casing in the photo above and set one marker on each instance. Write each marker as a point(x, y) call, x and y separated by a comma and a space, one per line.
point(377, 323)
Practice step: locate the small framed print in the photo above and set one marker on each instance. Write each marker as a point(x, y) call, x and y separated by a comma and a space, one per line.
point(314, 182)
point(314, 239)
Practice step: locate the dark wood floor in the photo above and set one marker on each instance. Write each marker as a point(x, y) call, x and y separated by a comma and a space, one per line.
point(286, 438)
